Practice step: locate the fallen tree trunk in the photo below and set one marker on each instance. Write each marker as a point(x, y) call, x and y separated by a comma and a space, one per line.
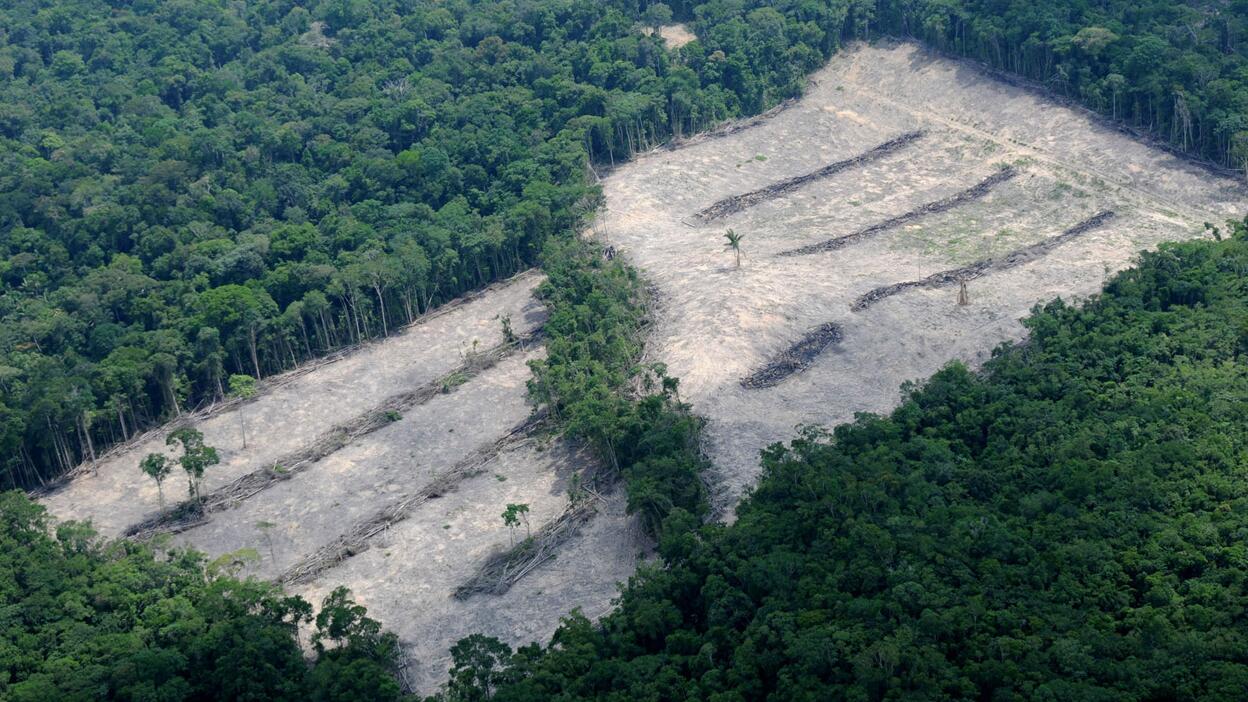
point(980, 268)
point(737, 203)
point(356, 539)
point(944, 205)
point(796, 358)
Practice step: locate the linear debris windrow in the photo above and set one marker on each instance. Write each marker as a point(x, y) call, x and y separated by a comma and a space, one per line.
point(502, 570)
point(944, 205)
point(186, 516)
point(796, 358)
point(737, 203)
point(989, 265)
point(356, 539)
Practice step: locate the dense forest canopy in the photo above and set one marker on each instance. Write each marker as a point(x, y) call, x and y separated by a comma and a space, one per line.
point(190, 190)
point(83, 620)
point(1067, 525)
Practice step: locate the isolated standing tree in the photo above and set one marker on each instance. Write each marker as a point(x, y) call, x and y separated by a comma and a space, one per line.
point(244, 387)
point(513, 516)
point(158, 467)
point(734, 244)
point(196, 456)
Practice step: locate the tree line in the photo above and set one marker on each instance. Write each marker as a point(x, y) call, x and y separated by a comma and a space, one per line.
point(190, 191)
point(1175, 70)
point(1065, 525)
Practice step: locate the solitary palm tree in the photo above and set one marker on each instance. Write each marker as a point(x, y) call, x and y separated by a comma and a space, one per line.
point(734, 244)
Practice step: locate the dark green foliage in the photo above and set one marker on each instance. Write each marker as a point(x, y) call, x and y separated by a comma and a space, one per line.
point(1067, 525)
point(87, 620)
point(191, 190)
point(594, 338)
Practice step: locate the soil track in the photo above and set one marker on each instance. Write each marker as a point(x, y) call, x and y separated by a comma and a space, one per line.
point(718, 325)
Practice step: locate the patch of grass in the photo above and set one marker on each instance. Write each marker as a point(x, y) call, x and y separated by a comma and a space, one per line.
point(453, 381)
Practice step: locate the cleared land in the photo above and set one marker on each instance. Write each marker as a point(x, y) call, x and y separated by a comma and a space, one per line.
point(398, 460)
point(407, 512)
point(742, 341)
point(294, 411)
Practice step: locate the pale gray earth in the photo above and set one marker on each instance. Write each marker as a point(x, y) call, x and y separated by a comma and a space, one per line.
point(717, 324)
point(294, 410)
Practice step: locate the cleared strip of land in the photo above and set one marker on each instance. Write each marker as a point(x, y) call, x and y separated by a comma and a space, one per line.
point(187, 515)
point(409, 572)
point(980, 268)
point(737, 203)
point(355, 539)
point(718, 324)
point(971, 194)
point(290, 415)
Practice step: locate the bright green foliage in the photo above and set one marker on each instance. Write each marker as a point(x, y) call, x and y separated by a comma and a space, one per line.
point(593, 344)
point(515, 515)
point(1068, 524)
point(190, 190)
point(733, 244)
point(87, 620)
point(157, 467)
point(195, 458)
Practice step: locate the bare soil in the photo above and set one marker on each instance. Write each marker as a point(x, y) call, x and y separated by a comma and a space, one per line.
point(676, 35)
point(717, 326)
point(289, 415)
point(408, 577)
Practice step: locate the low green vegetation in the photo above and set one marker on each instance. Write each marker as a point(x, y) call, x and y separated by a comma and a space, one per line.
point(1068, 524)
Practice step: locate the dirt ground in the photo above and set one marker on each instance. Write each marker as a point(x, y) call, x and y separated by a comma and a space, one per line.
point(676, 35)
point(407, 574)
point(295, 410)
point(287, 521)
point(407, 578)
point(717, 324)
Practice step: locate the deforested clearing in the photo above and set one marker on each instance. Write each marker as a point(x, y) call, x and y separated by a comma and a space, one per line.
point(404, 510)
point(718, 325)
point(297, 409)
